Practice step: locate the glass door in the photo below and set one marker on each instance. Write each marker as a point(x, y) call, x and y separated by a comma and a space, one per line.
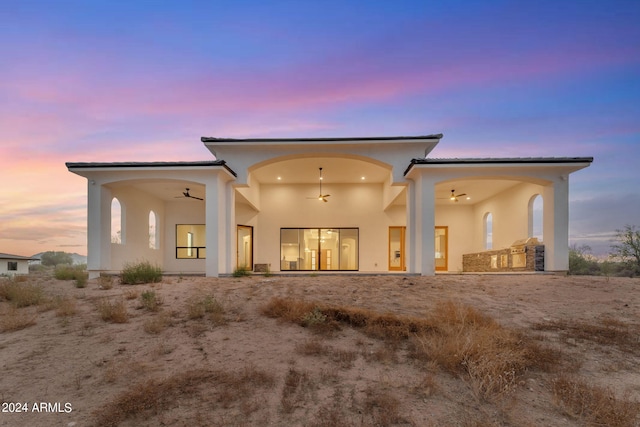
point(396, 248)
point(245, 247)
point(316, 249)
point(442, 248)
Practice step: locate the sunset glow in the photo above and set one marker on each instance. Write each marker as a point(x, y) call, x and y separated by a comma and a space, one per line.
point(120, 81)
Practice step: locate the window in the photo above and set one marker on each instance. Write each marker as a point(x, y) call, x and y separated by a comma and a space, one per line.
point(535, 216)
point(12, 266)
point(153, 230)
point(319, 249)
point(487, 231)
point(191, 241)
point(117, 222)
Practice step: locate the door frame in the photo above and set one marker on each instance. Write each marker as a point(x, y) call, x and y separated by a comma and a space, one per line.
point(446, 251)
point(250, 228)
point(403, 232)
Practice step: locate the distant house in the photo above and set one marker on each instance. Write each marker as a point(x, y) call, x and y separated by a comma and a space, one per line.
point(373, 205)
point(10, 265)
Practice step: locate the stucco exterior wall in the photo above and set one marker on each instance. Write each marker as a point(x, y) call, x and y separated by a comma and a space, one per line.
point(23, 267)
point(510, 214)
point(461, 227)
point(189, 212)
point(136, 206)
point(358, 206)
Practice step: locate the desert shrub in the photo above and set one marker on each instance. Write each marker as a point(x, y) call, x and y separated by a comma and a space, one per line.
point(69, 272)
point(65, 306)
point(21, 293)
point(150, 300)
point(81, 279)
point(105, 282)
point(313, 318)
point(200, 306)
point(593, 405)
point(288, 309)
point(156, 324)
point(241, 272)
point(13, 319)
point(458, 338)
point(140, 272)
point(467, 343)
point(113, 311)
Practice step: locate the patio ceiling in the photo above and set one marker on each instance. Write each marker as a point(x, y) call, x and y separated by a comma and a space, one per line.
point(305, 171)
point(334, 170)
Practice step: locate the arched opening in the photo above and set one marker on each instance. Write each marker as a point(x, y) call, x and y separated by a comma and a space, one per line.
point(117, 221)
point(535, 216)
point(153, 230)
point(487, 227)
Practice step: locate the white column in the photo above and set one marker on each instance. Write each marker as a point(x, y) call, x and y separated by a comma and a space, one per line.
point(421, 226)
point(98, 229)
point(556, 225)
point(215, 225)
point(230, 235)
point(411, 229)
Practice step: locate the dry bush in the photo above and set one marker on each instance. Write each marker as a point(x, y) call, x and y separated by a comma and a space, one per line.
point(385, 326)
point(21, 293)
point(152, 397)
point(200, 306)
point(150, 300)
point(609, 332)
point(459, 338)
point(156, 324)
point(288, 309)
point(594, 406)
point(66, 306)
point(105, 282)
point(13, 319)
point(113, 311)
point(466, 342)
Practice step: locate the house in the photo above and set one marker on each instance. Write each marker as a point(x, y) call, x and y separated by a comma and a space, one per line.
point(11, 265)
point(374, 205)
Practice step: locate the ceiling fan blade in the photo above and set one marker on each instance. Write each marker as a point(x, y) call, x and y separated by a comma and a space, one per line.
point(460, 195)
point(197, 198)
point(325, 195)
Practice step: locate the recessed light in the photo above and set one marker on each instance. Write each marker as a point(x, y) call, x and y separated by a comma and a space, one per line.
point(279, 178)
point(468, 198)
point(362, 178)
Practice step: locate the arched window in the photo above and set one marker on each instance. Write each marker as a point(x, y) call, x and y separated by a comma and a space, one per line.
point(535, 216)
point(117, 235)
point(487, 235)
point(154, 242)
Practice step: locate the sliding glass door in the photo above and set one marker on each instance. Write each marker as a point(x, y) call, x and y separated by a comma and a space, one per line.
point(319, 249)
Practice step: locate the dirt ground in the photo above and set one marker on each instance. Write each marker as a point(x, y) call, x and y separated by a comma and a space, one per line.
point(81, 367)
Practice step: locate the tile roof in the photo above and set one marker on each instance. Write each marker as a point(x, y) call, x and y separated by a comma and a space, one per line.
point(17, 257)
point(345, 139)
point(108, 165)
point(481, 160)
point(497, 160)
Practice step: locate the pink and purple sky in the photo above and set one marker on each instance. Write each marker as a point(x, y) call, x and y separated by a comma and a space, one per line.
point(115, 80)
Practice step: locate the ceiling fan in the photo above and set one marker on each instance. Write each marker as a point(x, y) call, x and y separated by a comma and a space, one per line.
point(321, 196)
point(187, 195)
point(454, 197)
